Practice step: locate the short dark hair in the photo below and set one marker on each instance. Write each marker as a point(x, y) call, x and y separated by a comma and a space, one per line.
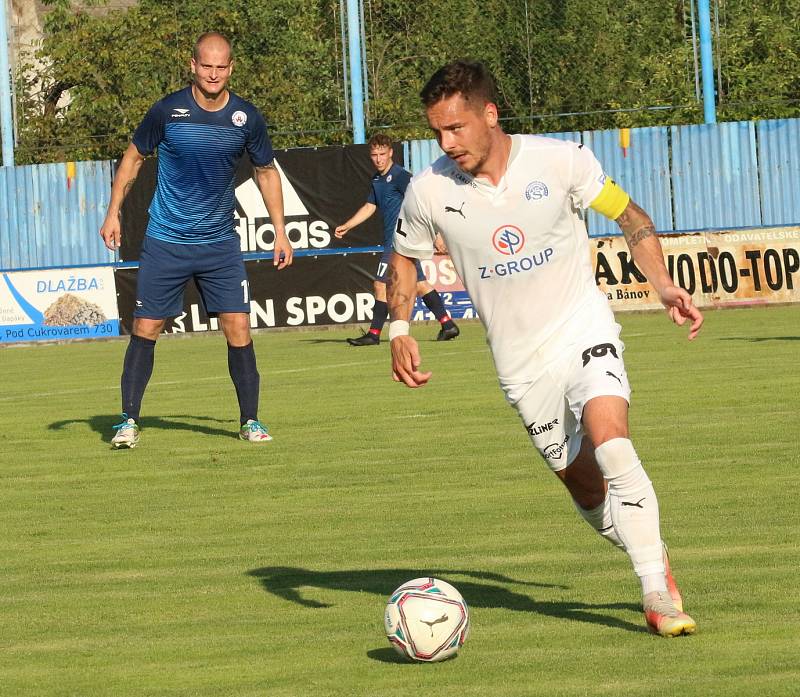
point(471, 79)
point(380, 140)
point(210, 35)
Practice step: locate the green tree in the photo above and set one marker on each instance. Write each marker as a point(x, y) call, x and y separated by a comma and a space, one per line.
point(759, 59)
point(114, 64)
point(561, 65)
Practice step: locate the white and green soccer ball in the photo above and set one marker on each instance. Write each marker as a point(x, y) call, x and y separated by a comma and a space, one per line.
point(426, 619)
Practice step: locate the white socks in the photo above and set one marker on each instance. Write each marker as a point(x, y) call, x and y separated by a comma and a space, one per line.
point(631, 508)
point(600, 519)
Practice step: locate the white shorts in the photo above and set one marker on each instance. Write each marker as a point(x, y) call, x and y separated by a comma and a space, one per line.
point(551, 406)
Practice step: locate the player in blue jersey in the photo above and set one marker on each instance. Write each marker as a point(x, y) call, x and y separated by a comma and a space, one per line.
point(200, 132)
point(386, 192)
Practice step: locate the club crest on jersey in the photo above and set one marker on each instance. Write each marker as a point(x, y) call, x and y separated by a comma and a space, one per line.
point(508, 240)
point(536, 191)
point(388, 178)
point(239, 118)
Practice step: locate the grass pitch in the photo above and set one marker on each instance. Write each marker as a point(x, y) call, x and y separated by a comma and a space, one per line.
point(197, 564)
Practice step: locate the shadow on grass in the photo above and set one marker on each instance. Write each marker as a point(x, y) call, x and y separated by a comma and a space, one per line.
point(317, 340)
point(384, 340)
point(759, 339)
point(343, 342)
point(484, 592)
point(388, 655)
point(102, 424)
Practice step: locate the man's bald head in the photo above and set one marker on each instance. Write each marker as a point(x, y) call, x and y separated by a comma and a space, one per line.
point(212, 40)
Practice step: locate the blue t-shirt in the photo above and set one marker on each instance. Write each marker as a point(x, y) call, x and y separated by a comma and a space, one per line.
point(198, 152)
point(387, 193)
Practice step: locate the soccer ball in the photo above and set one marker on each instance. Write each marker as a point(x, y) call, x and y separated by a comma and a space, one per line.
point(426, 620)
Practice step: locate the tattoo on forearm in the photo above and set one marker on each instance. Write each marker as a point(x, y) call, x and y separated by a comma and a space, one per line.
point(642, 233)
point(128, 186)
point(635, 224)
point(394, 298)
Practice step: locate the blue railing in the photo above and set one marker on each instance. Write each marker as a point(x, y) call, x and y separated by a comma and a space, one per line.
point(711, 176)
point(50, 214)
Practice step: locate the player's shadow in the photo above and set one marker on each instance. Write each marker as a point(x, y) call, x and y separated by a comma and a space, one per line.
point(385, 340)
point(324, 341)
point(102, 425)
point(484, 591)
point(759, 339)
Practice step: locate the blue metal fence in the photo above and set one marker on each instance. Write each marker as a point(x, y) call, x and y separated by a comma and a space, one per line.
point(713, 176)
point(779, 170)
point(50, 214)
point(642, 170)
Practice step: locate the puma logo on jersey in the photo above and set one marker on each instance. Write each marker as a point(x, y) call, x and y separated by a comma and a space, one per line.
point(450, 209)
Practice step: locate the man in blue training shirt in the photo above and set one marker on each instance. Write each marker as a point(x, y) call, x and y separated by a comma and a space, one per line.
point(201, 132)
point(386, 192)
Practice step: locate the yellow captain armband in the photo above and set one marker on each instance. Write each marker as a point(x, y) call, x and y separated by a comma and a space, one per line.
point(611, 201)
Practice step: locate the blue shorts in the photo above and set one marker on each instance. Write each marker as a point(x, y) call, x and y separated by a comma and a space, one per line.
point(383, 267)
point(165, 268)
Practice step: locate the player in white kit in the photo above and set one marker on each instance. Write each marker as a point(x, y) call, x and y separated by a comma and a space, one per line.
point(508, 207)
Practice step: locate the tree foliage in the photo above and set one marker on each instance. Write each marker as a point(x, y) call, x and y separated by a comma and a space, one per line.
point(115, 64)
point(561, 65)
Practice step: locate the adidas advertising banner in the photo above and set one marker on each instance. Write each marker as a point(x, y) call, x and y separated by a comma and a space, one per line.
point(314, 290)
point(322, 187)
point(58, 304)
point(742, 267)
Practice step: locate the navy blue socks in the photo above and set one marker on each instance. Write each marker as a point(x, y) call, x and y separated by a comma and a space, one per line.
point(433, 302)
point(246, 380)
point(379, 314)
point(136, 372)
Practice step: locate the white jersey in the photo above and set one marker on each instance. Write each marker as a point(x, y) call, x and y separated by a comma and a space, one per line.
point(520, 248)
